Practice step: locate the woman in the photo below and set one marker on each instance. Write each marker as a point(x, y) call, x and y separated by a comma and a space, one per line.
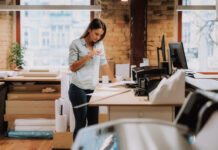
point(85, 56)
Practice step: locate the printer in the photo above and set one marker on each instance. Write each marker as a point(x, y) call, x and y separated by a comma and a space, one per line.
point(147, 78)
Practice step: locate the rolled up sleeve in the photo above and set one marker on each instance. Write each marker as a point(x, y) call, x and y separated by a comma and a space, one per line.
point(103, 60)
point(73, 53)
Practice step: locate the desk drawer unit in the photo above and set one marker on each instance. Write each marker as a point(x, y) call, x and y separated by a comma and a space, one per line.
point(151, 112)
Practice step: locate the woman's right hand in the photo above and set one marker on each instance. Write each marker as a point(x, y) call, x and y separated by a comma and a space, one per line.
point(94, 52)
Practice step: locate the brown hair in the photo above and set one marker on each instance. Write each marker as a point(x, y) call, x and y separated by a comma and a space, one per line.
point(95, 24)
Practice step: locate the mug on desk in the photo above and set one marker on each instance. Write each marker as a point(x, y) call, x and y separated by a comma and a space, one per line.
point(105, 79)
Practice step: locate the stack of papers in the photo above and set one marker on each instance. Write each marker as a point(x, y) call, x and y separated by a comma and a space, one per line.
point(171, 90)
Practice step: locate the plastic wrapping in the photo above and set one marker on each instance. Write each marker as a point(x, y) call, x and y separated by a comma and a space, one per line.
point(31, 134)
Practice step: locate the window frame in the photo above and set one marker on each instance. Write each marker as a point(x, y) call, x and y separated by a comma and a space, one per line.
point(180, 8)
point(190, 7)
point(18, 35)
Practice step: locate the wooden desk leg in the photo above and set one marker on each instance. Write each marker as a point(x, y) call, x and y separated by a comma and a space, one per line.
point(103, 114)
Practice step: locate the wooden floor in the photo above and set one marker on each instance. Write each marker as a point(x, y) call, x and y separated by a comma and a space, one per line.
point(23, 144)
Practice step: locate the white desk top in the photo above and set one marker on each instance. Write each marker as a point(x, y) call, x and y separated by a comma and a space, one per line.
point(124, 99)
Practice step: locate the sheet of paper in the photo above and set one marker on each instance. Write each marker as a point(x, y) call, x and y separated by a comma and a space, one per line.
point(106, 88)
point(171, 90)
point(119, 83)
point(122, 70)
point(103, 93)
point(203, 76)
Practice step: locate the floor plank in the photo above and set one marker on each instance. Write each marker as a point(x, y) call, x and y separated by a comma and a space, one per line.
point(25, 144)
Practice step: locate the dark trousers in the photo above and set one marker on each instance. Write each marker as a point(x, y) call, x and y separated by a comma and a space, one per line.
point(77, 97)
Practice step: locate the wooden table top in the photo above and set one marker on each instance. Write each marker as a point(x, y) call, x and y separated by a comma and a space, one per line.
point(123, 97)
point(21, 78)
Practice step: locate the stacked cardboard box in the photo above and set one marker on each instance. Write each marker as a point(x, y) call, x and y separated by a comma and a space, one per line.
point(28, 101)
point(62, 140)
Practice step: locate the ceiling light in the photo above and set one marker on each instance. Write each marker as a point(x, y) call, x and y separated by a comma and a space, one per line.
point(49, 7)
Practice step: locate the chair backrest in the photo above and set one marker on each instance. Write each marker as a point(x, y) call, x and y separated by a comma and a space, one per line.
point(188, 114)
point(207, 136)
point(200, 114)
point(205, 113)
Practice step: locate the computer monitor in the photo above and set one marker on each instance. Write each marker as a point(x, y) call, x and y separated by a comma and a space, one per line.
point(177, 55)
point(162, 48)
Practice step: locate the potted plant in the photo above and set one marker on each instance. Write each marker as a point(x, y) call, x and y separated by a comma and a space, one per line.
point(16, 56)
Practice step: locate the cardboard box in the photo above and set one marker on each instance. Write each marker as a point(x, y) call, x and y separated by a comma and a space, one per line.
point(103, 118)
point(30, 104)
point(62, 140)
point(33, 96)
point(12, 117)
point(30, 110)
point(34, 87)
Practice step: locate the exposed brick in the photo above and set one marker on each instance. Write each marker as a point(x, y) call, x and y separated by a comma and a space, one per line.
point(160, 21)
point(116, 42)
point(6, 25)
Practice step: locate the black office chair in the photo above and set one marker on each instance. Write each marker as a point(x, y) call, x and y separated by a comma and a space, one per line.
point(196, 110)
point(207, 131)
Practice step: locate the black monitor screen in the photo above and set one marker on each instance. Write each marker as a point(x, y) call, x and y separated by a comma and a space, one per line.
point(177, 55)
point(163, 48)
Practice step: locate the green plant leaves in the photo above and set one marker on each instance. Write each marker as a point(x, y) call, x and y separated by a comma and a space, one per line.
point(16, 55)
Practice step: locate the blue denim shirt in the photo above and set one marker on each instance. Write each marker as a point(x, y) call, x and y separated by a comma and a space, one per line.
point(87, 76)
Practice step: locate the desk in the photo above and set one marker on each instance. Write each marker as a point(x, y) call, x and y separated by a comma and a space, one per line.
point(127, 105)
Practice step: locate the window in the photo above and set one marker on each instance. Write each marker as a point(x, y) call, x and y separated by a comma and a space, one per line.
point(186, 34)
point(48, 34)
point(200, 36)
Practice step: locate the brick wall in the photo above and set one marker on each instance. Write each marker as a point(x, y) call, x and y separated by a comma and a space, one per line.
point(6, 26)
point(115, 14)
point(160, 16)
